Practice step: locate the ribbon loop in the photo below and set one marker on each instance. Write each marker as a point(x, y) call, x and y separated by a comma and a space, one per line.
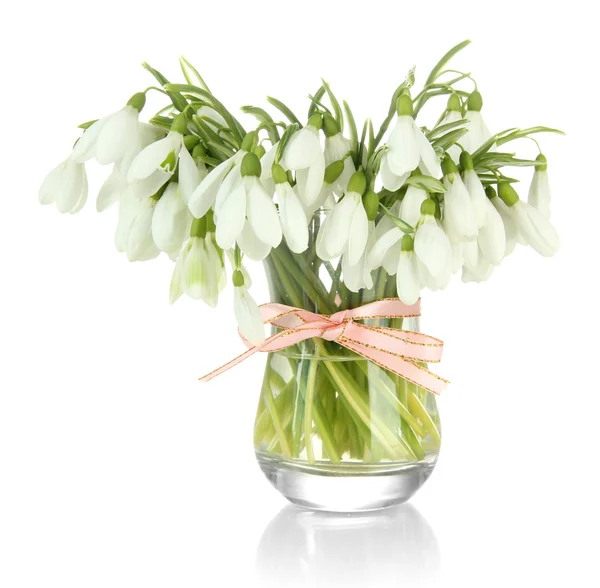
point(398, 351)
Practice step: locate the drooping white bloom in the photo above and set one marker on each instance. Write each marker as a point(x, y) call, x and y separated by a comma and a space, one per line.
point(133, 235)
point(358, 275)
point(304, 155)
point(161, 155)
point(293, 218)
point(453, 115)
point(248, 200)
point(475, 189)
point(113, 138)
point(171, 220)
point(539, 191)
point(199, 271)
point(410, 208)
point(511, 230)
point(246, 311)
point(431, 244)
point(479, 272)
point(408, 285)
point(492, 236)
point(408, 147)
point(66, 185)
point(459, 215)
point(345, 231)
point(478, 132)
point(114, 185)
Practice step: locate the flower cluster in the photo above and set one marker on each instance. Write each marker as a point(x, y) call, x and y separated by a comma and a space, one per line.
point(421, 202)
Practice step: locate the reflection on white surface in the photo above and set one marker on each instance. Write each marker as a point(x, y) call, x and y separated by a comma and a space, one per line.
point(394, 547)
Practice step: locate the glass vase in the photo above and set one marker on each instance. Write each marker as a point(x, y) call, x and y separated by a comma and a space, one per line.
point(335, 431)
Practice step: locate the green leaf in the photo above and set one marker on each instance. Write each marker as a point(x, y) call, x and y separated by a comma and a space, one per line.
point(439, 66)
point(446, 141)
point(362, 145)
point(264, 117)
point(490, 142)
point(446, 127)
point(163, 122)
point(319, 104)
point(426, 183)
point(353, 129)
point(87, 125)
point(520, 134)
point(284, 110)
point(285, 139)
point(209, 160)
point(337, 109)
point(232, 122)
point(315, 100)
point(179, 102)
point(404, 227)
point(190, 72)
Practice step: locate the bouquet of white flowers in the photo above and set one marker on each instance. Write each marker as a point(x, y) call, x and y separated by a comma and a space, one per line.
point(343, 219)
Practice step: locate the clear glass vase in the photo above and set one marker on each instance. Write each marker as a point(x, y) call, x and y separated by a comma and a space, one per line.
point(334, 431)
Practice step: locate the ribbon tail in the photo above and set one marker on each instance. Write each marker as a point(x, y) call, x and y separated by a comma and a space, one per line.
point(401, 366)
point(230, 364)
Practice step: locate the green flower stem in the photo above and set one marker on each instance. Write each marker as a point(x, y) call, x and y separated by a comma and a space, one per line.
point(285, 448)
point(308, 406)
point(417, 407)
point(324, 427)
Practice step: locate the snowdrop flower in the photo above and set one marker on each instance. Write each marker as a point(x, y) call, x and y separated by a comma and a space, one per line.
point(358, 276)
point(171, 220)
point(326, 198)
point(479, 272)
point(114, 137)
point(511, 230)
point(431, 245)
point(345, 231)
point(66, 185)
point(408, 285)
point(532, 225)
point(248, 201)
point(410, 208)
point(337, 148)
point(246, 311)
point(459, 215)
point(453, 114)
point(293, 218)
point(216, 187)
point(491, 238)
point(133, 235)
point(479, 200)
point(539, 191)
point(161, 155)
point(199, 271)
point(478, 132)
point(304, 155)
point(408, 148)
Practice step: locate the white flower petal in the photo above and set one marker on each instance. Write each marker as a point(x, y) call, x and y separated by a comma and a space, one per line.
point(358, 236)
point(111, 189)
point(117, 136)
point(314, 179)
point(304, 147)
point(338, 225)
point(204, 196)
point(429, 162)
point(232, 217)
point(176, 288)
point(73, 192)
point(511, 229)
point(458, 210)
point(539, 193)
point(382, 246)
point(262, 214)
point(492, 236)
point(407, 278)
point(432, 247)
point(151, 158)
point(404, 149)
point(336, 148)
point(251, 245)
point(248, 316)
point(171, 220)
point(194, 268)
point(190, 175)
point(537, 230)
point(54, 182)
point(476, 191)
point(293, 219)
point(390, 180)
point(140, 245)
point(410, 208)
point(85, 147)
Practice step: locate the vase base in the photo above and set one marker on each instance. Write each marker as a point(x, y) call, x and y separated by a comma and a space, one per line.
point(345, 488)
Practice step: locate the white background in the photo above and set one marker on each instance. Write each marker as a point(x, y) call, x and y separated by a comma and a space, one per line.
point(117, 468)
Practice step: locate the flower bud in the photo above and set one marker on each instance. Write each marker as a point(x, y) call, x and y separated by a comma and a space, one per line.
point(179, 124)
point(198, 228)
point(541, 157)
point(316, 121)
point(251, 165)
point(137, 101)
point(330, 126)
point(454, 102)
point(333, 172)
point(238, 279)
point(448, 166)
point(475, 102)
point(490, 192)
point(507, 193)
point(466, 161)
point(278, 173)
point(357, 183)
point(404, 104)
point(370, 202)
point(428, 207)
point(199, 151)
point(249, 141)
point(190, 141)
point(407, 243)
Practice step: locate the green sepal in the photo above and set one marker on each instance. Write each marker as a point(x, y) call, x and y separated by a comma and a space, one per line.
point(357, 183)
point(404, 104)
point(507, 194)
point(330, 126)
point(237, 278)
point(466, 161)
point(198, 151)
point(259, 150)
point(315, 121)
point(137, 101)
point(180, 124)
point(544, 162)
point(370, 202)
point(475, 101)
point(428, 207)
point(407, 243)
point(279, 174)
point(454, 103)
point(448, 166)
point(333, 171)
point(490, 192)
